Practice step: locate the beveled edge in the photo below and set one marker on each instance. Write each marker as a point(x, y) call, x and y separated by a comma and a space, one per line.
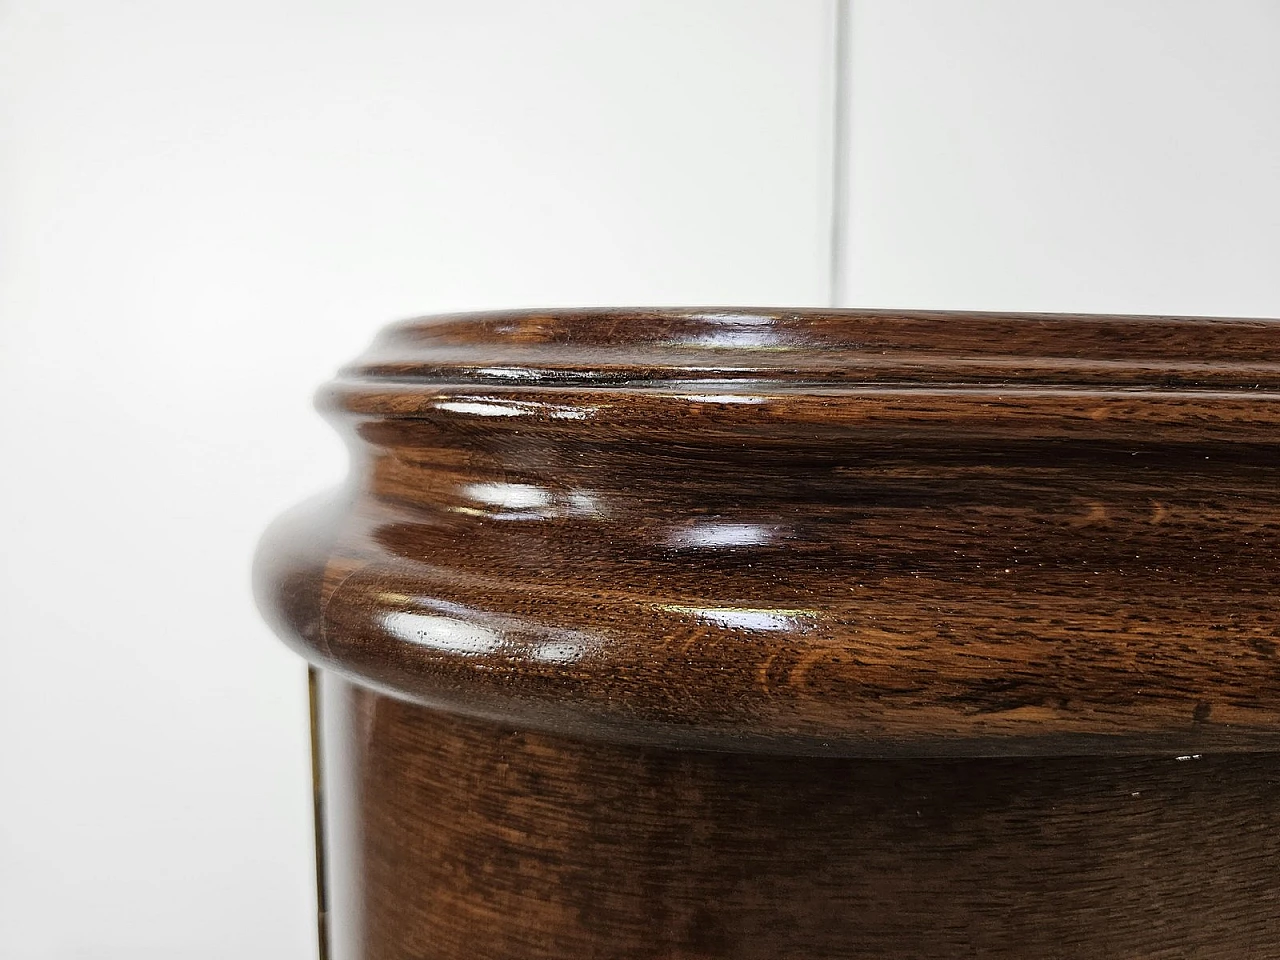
point(295, 584)
point(1096, 396)
point(650, 347)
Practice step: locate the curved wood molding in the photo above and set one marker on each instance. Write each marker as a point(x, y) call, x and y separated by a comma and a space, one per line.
point(857, 533)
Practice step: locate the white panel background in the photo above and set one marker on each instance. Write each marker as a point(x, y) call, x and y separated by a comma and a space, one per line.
point(1113, 156)
point(204, 208)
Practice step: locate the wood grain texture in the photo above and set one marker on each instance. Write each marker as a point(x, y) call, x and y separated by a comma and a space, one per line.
point(734, 634)
point(455, 838)
point(808, 532)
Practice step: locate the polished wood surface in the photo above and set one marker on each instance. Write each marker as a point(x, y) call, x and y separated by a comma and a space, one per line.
point(457, 838)
point(643, 631)
point(842, 533)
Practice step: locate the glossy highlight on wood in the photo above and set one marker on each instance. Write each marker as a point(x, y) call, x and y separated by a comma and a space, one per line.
point(843, 532)
point(732, 633)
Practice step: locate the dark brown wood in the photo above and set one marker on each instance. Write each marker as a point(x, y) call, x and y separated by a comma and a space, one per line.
point(458, 838)
point(655, 626)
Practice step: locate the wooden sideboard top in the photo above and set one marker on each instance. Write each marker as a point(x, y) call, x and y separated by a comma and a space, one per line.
point(807, 531)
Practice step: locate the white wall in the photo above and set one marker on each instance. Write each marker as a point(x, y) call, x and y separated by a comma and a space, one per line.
point(1114, 156)
point(204, 208)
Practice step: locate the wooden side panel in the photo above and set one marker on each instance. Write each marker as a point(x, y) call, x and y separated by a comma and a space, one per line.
point(453, 838)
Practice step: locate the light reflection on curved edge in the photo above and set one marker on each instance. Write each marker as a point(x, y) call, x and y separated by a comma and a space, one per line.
point(718, 533)
point(527, 501)
point(464, 631)
point(488, 407)
point(747, 618)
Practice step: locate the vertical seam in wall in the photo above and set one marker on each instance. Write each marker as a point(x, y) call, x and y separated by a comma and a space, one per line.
point(838, 235)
